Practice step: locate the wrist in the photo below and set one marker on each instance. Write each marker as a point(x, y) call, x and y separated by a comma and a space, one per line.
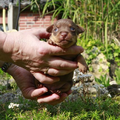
point(5, 66)
point(7, 45)
point(2, 39)
point(10, 69)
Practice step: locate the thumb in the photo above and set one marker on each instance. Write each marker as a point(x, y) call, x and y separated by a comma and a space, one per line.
point(33, 93)
point(45, 79)
point(42, 33)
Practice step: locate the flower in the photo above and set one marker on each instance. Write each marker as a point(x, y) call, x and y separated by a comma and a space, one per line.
point(13, 105)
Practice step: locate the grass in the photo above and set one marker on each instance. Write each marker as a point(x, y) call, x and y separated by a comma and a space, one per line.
point(97, 109)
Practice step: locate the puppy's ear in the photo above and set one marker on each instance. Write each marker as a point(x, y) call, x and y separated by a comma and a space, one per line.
point(50, 28)
point(80, 29)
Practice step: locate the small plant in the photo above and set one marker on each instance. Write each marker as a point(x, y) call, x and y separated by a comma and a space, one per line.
point(4, 81)
point(103, 80)
point(117, 73)
point(4, 75)
point(2, 89)
point(14, 85)
point(112, 53)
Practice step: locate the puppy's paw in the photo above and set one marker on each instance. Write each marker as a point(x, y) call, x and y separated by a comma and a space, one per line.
point(50, 42)
point(83, 68)
point(39, 85)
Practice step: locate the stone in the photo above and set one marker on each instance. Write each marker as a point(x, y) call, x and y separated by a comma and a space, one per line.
point(100, 66)
point(114, 90)
point(112, 82)
point(7, 97)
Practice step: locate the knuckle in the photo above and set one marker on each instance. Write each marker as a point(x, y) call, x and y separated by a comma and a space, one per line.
point(55, 73)
point(43, 51)
point(43, 80)
point(62, 65)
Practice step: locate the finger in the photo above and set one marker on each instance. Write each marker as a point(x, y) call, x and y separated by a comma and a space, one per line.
point(55, 72)
point(38, 92)
point(44, 78)
point(47, 99)
point(59, 63)
point(69, 92)
point(32, 92)
point(62, 98)
point(55, 50)
point(41, 33)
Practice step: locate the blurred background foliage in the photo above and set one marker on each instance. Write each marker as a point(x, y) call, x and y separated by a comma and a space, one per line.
point(100, 19)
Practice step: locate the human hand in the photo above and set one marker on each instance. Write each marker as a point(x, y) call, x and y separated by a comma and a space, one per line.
point(26, 82)
point(25, 50)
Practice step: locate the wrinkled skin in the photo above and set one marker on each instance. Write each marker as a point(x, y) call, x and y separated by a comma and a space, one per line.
point(64, 34)
point(24, 49)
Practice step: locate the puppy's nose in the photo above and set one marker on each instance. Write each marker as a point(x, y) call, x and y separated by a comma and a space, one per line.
point(64, 34)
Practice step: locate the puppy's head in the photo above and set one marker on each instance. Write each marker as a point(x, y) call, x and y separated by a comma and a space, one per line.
point(64, 32)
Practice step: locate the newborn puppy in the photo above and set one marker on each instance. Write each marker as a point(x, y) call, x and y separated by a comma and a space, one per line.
point(64, 34)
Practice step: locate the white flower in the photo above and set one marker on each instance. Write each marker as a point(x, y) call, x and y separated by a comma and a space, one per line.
point(109, 95)
point(12, 105)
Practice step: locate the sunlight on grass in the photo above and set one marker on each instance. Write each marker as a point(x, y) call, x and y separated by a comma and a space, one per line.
point(98, 109)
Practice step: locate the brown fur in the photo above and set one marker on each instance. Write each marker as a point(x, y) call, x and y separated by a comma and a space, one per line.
point(64, 34)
